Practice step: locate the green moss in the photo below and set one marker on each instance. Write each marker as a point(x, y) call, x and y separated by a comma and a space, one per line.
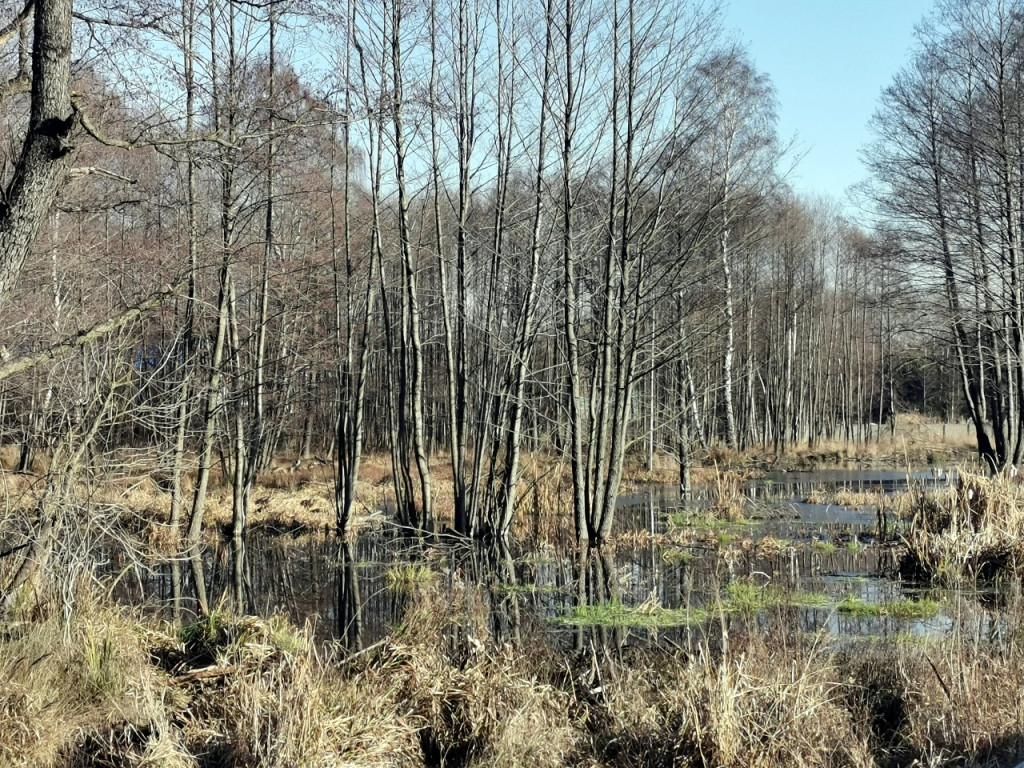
point(823, 547)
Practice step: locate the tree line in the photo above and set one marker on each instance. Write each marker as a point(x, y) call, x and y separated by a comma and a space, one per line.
point(450, 228)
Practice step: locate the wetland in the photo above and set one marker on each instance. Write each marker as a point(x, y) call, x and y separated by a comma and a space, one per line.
point(770, 618)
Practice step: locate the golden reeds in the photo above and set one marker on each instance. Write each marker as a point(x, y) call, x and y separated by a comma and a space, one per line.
point(975, 529)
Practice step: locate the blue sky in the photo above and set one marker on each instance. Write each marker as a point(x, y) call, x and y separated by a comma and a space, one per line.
point(829, 60)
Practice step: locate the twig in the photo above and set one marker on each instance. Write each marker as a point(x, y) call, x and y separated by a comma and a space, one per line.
point(939, 678)
point(206, 673)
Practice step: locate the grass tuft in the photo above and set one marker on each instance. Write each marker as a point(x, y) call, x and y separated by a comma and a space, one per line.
point(972, 531)
point(650, 615)
point(904, 610)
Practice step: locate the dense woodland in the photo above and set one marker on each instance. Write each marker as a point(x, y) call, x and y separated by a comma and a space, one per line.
point(236, 231)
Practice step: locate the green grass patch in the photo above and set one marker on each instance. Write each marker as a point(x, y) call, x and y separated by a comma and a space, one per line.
point(407, 577)
point(614, 614)
point(822, 547)
point(905, 610)
point(677, 556)
point(102, 673)
point(747, 599)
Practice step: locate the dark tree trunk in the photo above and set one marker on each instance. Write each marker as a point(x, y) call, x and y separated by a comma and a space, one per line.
point(42, 166)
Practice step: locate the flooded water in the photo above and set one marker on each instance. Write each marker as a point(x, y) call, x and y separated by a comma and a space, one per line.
point(800, 567)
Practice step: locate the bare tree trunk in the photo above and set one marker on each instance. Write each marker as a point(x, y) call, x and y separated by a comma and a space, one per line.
point(410, 294)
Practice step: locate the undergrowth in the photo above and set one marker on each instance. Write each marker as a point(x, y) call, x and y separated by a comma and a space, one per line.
point(114, 688)
point(972, 531)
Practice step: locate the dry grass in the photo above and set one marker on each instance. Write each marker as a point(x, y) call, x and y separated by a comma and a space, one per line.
point(846, 497)
point(113, 689)
point(802, 703)
point(753, 709)
point(973, 530)
point(480, 702)
point(262, 692)
point(287, 502)
point(946, 703)
point(917, 440)
point(62, 685)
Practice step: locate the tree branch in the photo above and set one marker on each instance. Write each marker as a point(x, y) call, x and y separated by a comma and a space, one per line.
point(211, 138)
point(153, 23)
point(67, 346)
point(89, 170)
point(90, 128)
point(15, 26)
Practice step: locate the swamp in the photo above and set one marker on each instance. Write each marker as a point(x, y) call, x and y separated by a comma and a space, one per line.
point(450, 383)
point(833, 617)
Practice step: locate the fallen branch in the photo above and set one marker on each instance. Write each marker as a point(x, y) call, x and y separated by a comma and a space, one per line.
point(206, 673)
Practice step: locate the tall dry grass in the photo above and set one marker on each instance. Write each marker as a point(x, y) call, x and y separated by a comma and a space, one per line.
point(758, 707)
point(110, 687)
point(974, 530)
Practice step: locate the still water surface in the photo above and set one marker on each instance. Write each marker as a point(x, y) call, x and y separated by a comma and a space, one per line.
point(826, 551)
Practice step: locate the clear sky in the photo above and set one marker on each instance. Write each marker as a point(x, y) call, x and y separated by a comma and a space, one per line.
point(829, 60)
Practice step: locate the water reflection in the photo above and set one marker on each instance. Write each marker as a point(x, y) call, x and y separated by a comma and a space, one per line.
point(342, 588)
point(349, 607)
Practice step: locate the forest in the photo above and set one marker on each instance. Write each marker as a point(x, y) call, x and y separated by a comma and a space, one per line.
point(505, 258)
point(468, 230)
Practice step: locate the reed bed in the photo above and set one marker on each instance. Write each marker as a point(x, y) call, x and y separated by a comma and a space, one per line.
point(972, 531)
point(111, 687)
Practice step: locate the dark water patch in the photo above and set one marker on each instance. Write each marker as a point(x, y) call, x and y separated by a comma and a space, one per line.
point(799, 485)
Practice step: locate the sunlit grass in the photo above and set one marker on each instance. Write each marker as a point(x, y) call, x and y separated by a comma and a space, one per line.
point(904, 610)
point(677, 556)
point(748, 599)
point(614, 614)
point(705, 522)
point(407, 577)
point(822, 547)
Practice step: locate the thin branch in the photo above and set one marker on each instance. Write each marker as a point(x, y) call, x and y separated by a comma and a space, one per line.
point(211, 138)
point(67, 346)
point(15, 26)
point(138, 24)
point(91, 129)
point(90, 170)
point(114, 206)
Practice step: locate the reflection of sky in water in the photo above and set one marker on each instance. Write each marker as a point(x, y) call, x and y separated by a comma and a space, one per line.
point(300, 577)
